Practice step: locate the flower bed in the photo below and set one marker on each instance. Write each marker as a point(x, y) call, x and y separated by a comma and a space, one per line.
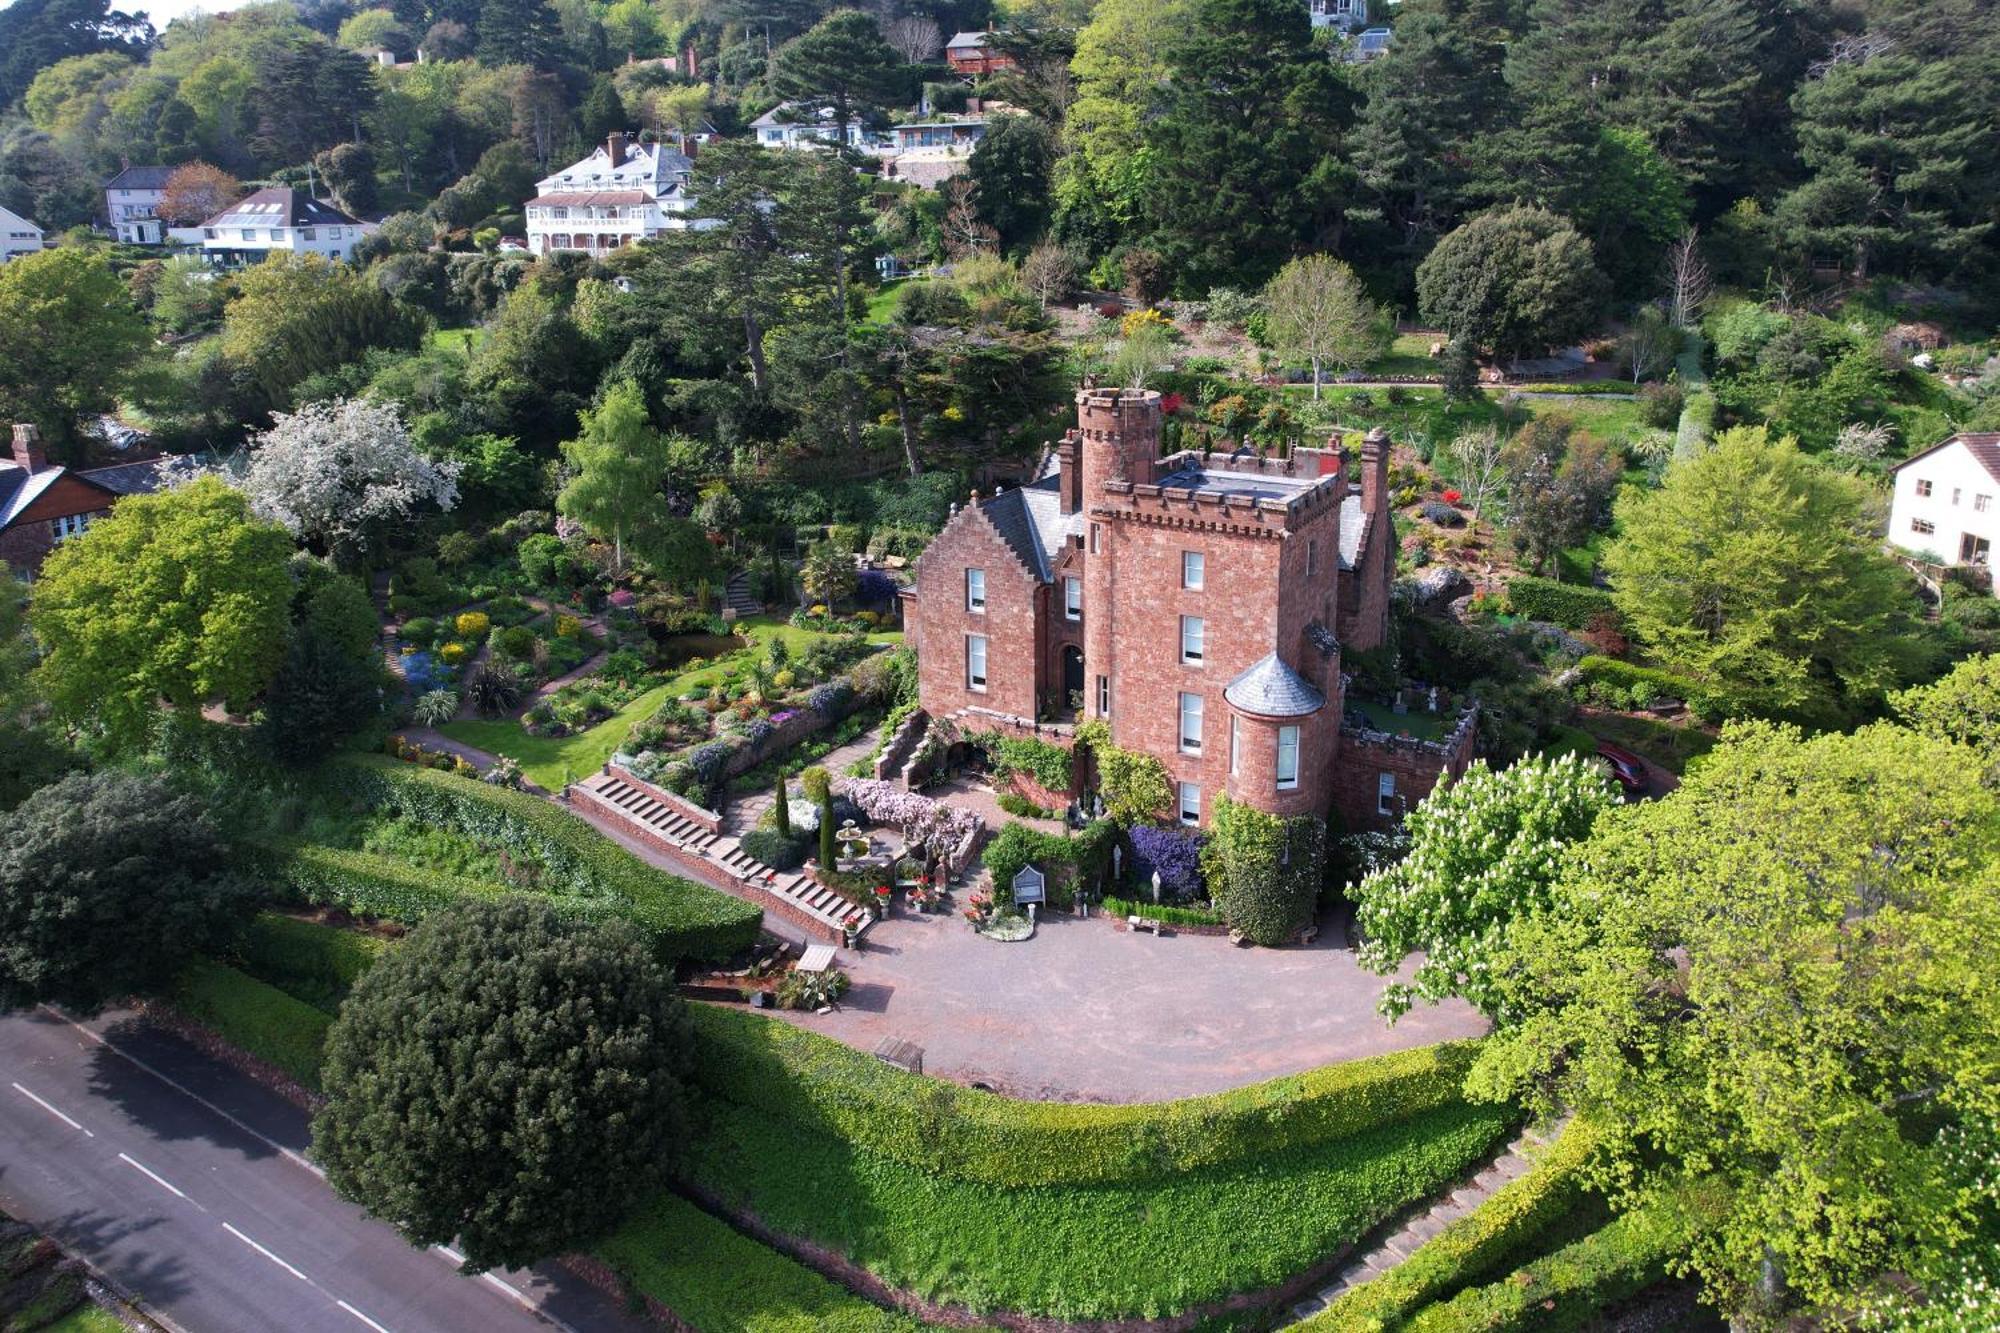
point(929, 827)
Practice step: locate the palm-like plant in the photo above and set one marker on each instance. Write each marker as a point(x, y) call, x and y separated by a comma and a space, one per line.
point(493, 689)
point(434, 708)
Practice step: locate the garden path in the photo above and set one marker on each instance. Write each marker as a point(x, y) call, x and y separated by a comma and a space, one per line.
point(741, 812)
point(1388, 1251)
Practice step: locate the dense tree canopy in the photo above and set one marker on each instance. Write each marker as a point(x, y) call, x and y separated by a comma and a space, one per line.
point(506, 1081)
point(69, 337)
point(1515, 282)
point(1777, 979)
point(109, 883)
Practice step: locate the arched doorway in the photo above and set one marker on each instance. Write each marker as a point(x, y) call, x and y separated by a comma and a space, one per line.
point(1072, 679)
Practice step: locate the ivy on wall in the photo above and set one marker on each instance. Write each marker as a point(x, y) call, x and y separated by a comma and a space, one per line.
point(1263, 870)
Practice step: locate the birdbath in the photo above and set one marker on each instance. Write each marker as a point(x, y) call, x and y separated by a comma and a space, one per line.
point(853, 842)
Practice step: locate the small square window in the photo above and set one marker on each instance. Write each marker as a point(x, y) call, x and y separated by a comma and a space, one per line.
point(1288, 758)
point(1191, 724)
point(308, 234)
point(1072, 599)
point(1194, 569)
point(975, 591)
point(1194, 640)
point(1190, 803)
point(975, 662)
point(1922, 526)
point(1981, 503)
point(1385, 794)
point(1923, 488)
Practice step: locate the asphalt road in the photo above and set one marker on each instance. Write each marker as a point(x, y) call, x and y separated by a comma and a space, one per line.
point(187, 1183)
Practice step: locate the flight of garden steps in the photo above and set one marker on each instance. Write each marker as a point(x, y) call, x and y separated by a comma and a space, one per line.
point(800, 892)
point(1367, 1265)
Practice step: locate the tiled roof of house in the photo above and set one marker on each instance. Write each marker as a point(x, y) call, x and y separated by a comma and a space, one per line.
point(141, 478)
point(960, 40)
point(1272, 689)
point(20, 488)
point(140, 178)
point(594, 197)
point(1983, 445)
point(1031, 520)
point(280, 207)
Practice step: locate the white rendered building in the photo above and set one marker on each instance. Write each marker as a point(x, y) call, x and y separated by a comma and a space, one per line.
point(1947, 501)
point(278, 221)
point(618, 196)
point(132, 204)
point(18, 236)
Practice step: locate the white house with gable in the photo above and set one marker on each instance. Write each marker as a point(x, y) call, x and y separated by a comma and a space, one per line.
point(132, 204)
point(621, 194)
point(18, 236)
point(1947, 501)
point(278, 221)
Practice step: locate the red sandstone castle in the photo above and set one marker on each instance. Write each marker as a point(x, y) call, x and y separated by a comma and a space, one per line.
point(1198, 604)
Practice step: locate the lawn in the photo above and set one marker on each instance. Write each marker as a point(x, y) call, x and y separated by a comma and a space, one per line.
point(1410, 354)
point(1425, 726)
point(551, 761)
point(87, 1319)
point(882, 301)
point(457, 340)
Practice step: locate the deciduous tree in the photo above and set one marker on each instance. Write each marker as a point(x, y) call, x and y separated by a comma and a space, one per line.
point(506, 1081)
point(196, 192)
point(619, 462)
point(69, 337)
point(335, 472)
point(1316, 311)
point(1484, 851)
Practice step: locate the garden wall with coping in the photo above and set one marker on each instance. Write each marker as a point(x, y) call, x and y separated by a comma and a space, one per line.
point(1418, 766)
point(700, 815)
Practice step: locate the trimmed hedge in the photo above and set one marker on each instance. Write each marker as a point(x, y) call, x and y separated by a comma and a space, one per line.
point(1598, 670)
point(315, 963)
point(1497, 1235)
point(818, 1084)
point(1165, 912)
point(723, 1282)
point(591, 875)
point(1571, 1288)
point(260, 1019)
point(1571, 605)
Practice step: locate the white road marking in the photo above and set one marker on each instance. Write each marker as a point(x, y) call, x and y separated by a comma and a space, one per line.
point(294, 1158)
point(266, 1253)
point(153, 1176)
point(362, 1317)
point(52, 1110)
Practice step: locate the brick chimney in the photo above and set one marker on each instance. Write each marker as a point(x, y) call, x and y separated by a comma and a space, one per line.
point(1375, 471)
point(28, 450)
point(615, 147)
point(1069, 471)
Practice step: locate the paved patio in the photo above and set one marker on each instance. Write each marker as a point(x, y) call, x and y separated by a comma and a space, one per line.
point(1087, 1012)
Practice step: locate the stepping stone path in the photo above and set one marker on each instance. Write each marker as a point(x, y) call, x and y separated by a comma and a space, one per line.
point(1362, 1266)
point(799, 892)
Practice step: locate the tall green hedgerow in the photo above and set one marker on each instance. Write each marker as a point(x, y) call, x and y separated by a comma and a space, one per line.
point(1263, 870)
point(820, 1085)
point(315, 963)
point(588, 874)
point(1571, 605)
point(1070, 861)
point(260, 1019)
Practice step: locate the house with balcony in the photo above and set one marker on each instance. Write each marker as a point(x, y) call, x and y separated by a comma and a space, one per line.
point(1945, 508)
point(279, 220)
point(1347, 15)
point(625, 192)
point(972, 55)
point(132, 204)
point(794, 125)
point(1198, 605)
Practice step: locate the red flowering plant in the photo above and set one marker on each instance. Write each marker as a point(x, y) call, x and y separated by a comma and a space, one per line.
point(1452, 497)
point(1171, 403)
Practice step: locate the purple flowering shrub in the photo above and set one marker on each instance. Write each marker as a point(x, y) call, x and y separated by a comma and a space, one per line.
point(1175, 854)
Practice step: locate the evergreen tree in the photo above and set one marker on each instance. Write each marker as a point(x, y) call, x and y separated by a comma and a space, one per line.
point(602, 112)
point(841, 61)
point(1010, 179)
point(518, 32)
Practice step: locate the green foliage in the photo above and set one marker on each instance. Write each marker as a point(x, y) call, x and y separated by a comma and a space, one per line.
point(937, 1128)
point(1514, 281)
point(1571, 605)
point(1500, 1232)
point(1648, 683)
point(109, 882)
point(1571, 1288)
point(1263, 871)
point(254, 1017)
point(1963, 707)
point(308, 961)
point(1318, 314)
point(589, 875)
point(1048, 764)
point(1133, 784)
point(506, 1081)
point(1777, 979)
point(714, 1277)
point(179, 597)
point(1163, 912)
point(1484, 852)
point(1070, 862)
point(296, 316)
point(69, 337)
point(1757, 572)
point(619, 462)
point(1234, 1228)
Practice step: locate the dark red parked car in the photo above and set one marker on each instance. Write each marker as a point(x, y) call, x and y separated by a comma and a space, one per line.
point(1628, 770)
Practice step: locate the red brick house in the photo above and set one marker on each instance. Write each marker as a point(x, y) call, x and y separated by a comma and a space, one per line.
point(41, 503)
point(1198, 604)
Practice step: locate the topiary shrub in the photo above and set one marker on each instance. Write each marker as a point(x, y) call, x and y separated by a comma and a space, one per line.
point(1263, 871)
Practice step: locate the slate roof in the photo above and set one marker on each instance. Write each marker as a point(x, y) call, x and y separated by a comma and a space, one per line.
point(140, 178)
point(1272, 689)
point(1031, 520)
point(20, 488)
point(960, 40)
point(140, 478)
point(1983, 445)
point(593, 197)
point(280, 207)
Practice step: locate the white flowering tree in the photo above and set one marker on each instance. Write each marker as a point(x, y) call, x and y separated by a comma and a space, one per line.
point(926, 825)
point(1483, 851)
point(333, 471)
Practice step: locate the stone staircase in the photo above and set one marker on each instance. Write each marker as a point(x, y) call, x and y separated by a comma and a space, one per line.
point(738, 597)
point(799, 893)
point(1365, 1265)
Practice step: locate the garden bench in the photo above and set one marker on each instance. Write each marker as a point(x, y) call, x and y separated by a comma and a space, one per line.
point(1136, 923)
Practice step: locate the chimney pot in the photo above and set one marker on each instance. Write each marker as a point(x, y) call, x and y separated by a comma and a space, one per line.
point(28, 450)
point(614, 147)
